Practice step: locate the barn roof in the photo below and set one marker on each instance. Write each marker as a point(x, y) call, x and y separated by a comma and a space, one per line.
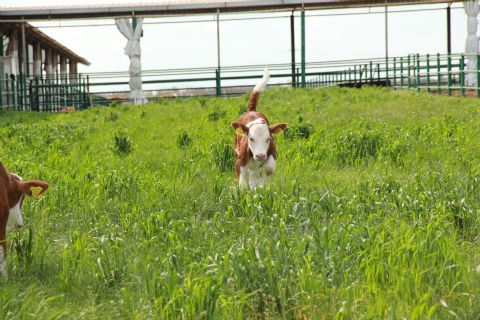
point(166, 7)
point(35, 34)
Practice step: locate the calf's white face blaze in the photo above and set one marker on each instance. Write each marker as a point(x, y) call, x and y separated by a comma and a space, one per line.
point(15, 219)
point(259, 141)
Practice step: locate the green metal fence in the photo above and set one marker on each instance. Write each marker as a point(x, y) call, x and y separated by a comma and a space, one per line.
point(439, 74)
point(44, 93)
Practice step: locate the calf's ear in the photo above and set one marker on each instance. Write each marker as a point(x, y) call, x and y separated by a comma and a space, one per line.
point(33, 187)
point(277, 128)
point(240, 128)
point(3, 173)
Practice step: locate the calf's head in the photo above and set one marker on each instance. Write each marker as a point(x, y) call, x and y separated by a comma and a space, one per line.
point(259, 136)
point(16, 189)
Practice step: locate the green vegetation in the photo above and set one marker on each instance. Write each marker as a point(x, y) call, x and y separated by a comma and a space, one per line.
point(373, 212)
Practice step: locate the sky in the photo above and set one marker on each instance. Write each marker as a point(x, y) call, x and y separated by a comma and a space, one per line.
point(167, 45)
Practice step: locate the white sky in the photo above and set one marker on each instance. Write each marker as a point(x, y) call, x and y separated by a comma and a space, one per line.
point(184, 45)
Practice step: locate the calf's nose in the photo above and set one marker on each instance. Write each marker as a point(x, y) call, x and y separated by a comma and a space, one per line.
point(261, 157)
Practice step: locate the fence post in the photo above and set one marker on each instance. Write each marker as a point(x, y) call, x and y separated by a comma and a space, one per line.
point(14, 95)
point(354, 75)
point(462, 75)
point(401, 73)
point(428, 72)
point(371, 71)
point(25, 89)
point(55, 92)
point(25, 92)
point(418, 72)
point(36, 95)
point(218, 83)
point(7, 91)
point(88, 91)
point(478, 75)
point(79, 88)
point(449, 75)
point(409, 81)
point(439, 76)
point(394, 73)
point(18, 84)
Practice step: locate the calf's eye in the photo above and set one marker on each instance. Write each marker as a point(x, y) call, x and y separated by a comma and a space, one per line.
point(251, 139)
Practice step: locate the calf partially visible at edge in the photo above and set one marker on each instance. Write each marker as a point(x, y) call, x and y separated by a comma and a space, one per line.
point(12, 192)
point(254, 145)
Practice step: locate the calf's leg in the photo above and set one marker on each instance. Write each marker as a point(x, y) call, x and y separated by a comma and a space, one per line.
point(243, 178)
point(255, 179)
point(3, 241)
point(270, 165)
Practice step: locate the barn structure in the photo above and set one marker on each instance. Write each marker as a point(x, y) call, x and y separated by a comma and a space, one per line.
point(37, 72)
point(399, 71)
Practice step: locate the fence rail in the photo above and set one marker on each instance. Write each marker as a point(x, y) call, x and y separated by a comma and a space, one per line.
point(44, 93)
point(441, 74)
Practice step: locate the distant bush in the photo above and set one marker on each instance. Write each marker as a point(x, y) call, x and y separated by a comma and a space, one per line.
point(301, 130)
point(123, 145)
point(183, 139)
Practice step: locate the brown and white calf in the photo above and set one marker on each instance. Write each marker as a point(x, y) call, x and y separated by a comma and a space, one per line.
point(254, 144)
point(12, 192)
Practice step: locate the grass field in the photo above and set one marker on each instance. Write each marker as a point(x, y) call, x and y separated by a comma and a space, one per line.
point(373, 212)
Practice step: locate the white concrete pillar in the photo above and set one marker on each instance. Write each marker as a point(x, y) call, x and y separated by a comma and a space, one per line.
point(63, 69)
point(37, 59)
point(472, 9)
point(72, 71)
point(12, 52)
point(48, 63)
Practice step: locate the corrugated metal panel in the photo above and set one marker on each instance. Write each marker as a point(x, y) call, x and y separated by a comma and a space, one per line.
point(185, 7)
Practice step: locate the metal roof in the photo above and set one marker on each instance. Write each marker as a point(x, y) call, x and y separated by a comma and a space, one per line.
point(33, 33)
point(168, 7)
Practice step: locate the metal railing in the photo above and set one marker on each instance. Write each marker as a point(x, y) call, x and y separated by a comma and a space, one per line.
point(44, 93)
point(441, 74)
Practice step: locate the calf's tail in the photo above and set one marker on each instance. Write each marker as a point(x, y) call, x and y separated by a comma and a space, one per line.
point(253, 101)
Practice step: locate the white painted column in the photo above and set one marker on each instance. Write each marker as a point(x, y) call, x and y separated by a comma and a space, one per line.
point(63, 69)
point(472, 9)
point(37, 60)
point(72, 71)
point(54, 64)
point(48, 63)
point(133, 51)
point(12, 51)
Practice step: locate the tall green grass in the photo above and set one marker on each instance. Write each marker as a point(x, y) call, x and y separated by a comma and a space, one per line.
point(373, 211)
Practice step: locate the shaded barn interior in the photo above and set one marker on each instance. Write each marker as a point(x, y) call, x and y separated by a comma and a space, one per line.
point(37, 72)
